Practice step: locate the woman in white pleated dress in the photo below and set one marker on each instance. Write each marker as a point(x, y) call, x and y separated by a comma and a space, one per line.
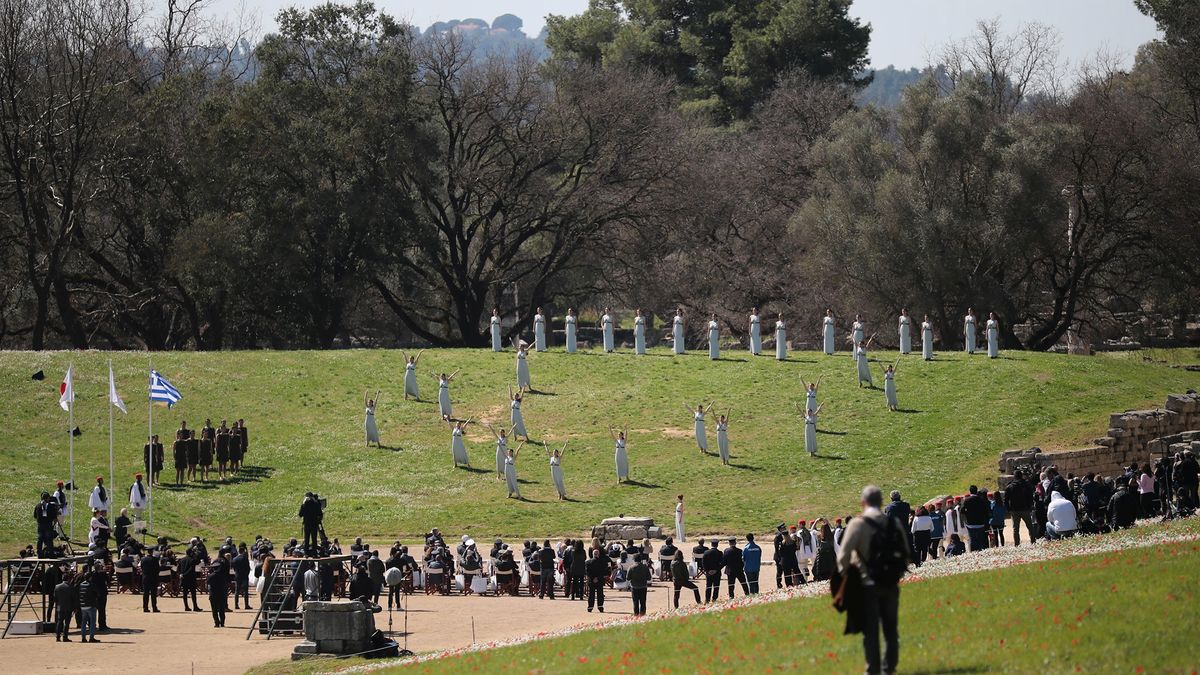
point(811, 390)
point(857, 333)
point(679, 535)
point(723, 437)
point(523, 380)
point(755, 333)
point(714, 338)
point(510, 471)
point(410, 375)
point(927, 339)
point(606, 324)
point(993, 336)
point(810, 429)
point(780, 339)
point(516, 417)
point(556, 472)
point(969, 330)
point(621, 453)
point(889, 386)
point(677, 331)
point(864, 364)
point(369, 423)
point(497, 345)
point(639, 333)
point(539, 331)
point(457, 447)
point(501, 448)
point(905, 332)
point(829, 333)
point(698, 416)
point(570, 328)
point(444, 406)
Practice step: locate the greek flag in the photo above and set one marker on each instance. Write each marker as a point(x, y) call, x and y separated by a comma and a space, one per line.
point(162, 391)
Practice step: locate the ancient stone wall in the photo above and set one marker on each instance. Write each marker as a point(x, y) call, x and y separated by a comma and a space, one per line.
point(1133, 436)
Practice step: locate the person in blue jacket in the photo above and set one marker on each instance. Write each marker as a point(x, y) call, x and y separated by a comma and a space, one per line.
point(939, 529)
point(999, 513)
point(752, 563)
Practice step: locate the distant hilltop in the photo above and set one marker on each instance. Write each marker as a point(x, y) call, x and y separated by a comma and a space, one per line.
point(502, 34)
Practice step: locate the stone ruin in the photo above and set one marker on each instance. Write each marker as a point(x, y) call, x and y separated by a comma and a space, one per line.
point(1133, 436)
point(341, 628)
point(624, 528)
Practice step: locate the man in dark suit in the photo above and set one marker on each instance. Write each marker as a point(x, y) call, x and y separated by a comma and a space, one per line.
point(734, 568)
point(597, 569)
point(46, 515)
point(241, 577)
point(99, 579)
point(310, 514)
point(712, 561)
point(150, 570)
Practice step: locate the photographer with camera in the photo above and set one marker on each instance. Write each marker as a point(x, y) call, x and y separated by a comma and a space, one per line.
point(312, 513)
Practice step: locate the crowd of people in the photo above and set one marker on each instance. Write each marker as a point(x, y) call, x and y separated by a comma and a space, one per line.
point(216, 453)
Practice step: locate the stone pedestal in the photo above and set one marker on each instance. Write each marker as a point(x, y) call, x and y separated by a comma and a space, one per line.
point(625, 528)
point(335, 628)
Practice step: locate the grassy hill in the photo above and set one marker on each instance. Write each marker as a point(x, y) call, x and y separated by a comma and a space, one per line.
point(304, 411)
point(1089, 613)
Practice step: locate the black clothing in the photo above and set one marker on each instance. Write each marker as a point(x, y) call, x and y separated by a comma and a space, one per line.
point(825, 562)
point(121, 532)
point(100, 597)
point(976, 510)
point(179, 453)
point(64, 604)
point(1123, 508)
point(900, 510)
point(735, 570)
point(218, 590)
point(310, 513)
point(1018, 496)
point(546, 562)
point(150, 570)
point(712, 561)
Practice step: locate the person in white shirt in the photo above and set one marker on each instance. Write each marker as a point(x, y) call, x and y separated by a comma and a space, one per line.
point(922, 530)
point(1060, 517)
point(139, 498)
point(99, 499)
point(806, 547)
point(99, 528)
point(954, 522)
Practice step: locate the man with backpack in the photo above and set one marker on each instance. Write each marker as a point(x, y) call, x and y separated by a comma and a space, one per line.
point(876, 548)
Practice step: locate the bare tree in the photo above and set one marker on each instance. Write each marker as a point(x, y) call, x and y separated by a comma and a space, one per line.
point(1015, 66)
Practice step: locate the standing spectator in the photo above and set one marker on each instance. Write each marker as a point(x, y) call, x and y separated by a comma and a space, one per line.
point(241, 577)
point(1145, 484)
point(639, 584)
point(547, 559)
point(100, 590)
point(187, 579)
point(977, 513)
point(825, 561)
point(937, 528)
point(922, 529)
point(999, 516)
point(375, 571)
point(681, 578)
point(1018, 499)
point(735, 567)
point(712, 561)
point(150, 570)
point(879, 573)
point(64, 605)
point(752, 562)
point(597, 576)
point(85, 593)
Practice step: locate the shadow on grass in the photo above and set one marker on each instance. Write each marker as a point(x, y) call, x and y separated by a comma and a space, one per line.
point(836, 458)
point(831, 433)
point(540, 392)
point(638, 483)
point(955, 670)
point(747, 467)
point(908, 411)
point(473, 469)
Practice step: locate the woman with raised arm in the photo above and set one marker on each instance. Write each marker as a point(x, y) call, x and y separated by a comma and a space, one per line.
point(444, 406)
point(497, 345)
point(539, 331)
point(829, 332)
point(780, 339)
point(810, 392)
point(864, 364)
point(515, 417)
point(369, 424)
point(523, 380)
point(501, 448)
point(410, 375)
point(755, 333)
point(639, 333)
point(905, 332)
point(714, 338)
point(698, 416)
point(570, 328)
point(457, 447)
point(927, 339)
point(969, 330)
point(510, 471)
point(889, 386)
point(606, 326)
point(677, 331)
point(723, 437)
point(993, 336)
point(810, 429)
point(622, 455)
point(556, 472)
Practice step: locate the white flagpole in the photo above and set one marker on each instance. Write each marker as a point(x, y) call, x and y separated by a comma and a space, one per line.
point(71, 450)
point(150, 440)
point(112, 484)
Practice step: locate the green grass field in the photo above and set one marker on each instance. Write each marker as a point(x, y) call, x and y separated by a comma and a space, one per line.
point(1091, 613)
point(304, 410)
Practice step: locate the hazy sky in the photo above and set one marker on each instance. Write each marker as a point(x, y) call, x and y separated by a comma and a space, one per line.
point(905, 31)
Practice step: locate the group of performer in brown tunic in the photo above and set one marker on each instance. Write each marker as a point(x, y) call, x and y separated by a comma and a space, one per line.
point(195, 454)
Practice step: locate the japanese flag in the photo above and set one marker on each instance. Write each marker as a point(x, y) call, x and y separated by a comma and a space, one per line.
point(67, 390)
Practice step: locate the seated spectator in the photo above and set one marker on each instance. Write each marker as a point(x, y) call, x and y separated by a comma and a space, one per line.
point(1061, 522)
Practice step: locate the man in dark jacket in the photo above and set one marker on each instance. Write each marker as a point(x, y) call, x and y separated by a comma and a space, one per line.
point(50, 579)
point(639, 586)
point(780, 533)
point(64, 605)
point(698, 552)
point(46, 515)
point(976, 513)
point(1123, 507)
point(546, 559)
point(188, 579)
point(1018, 499)
point(735, 570)
point(150, 570)
point(712, 561)
point(218, 589)
point(310, 514)
point(597, 575)
point(85, 594)
point(241, 577)
point(99, 579)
